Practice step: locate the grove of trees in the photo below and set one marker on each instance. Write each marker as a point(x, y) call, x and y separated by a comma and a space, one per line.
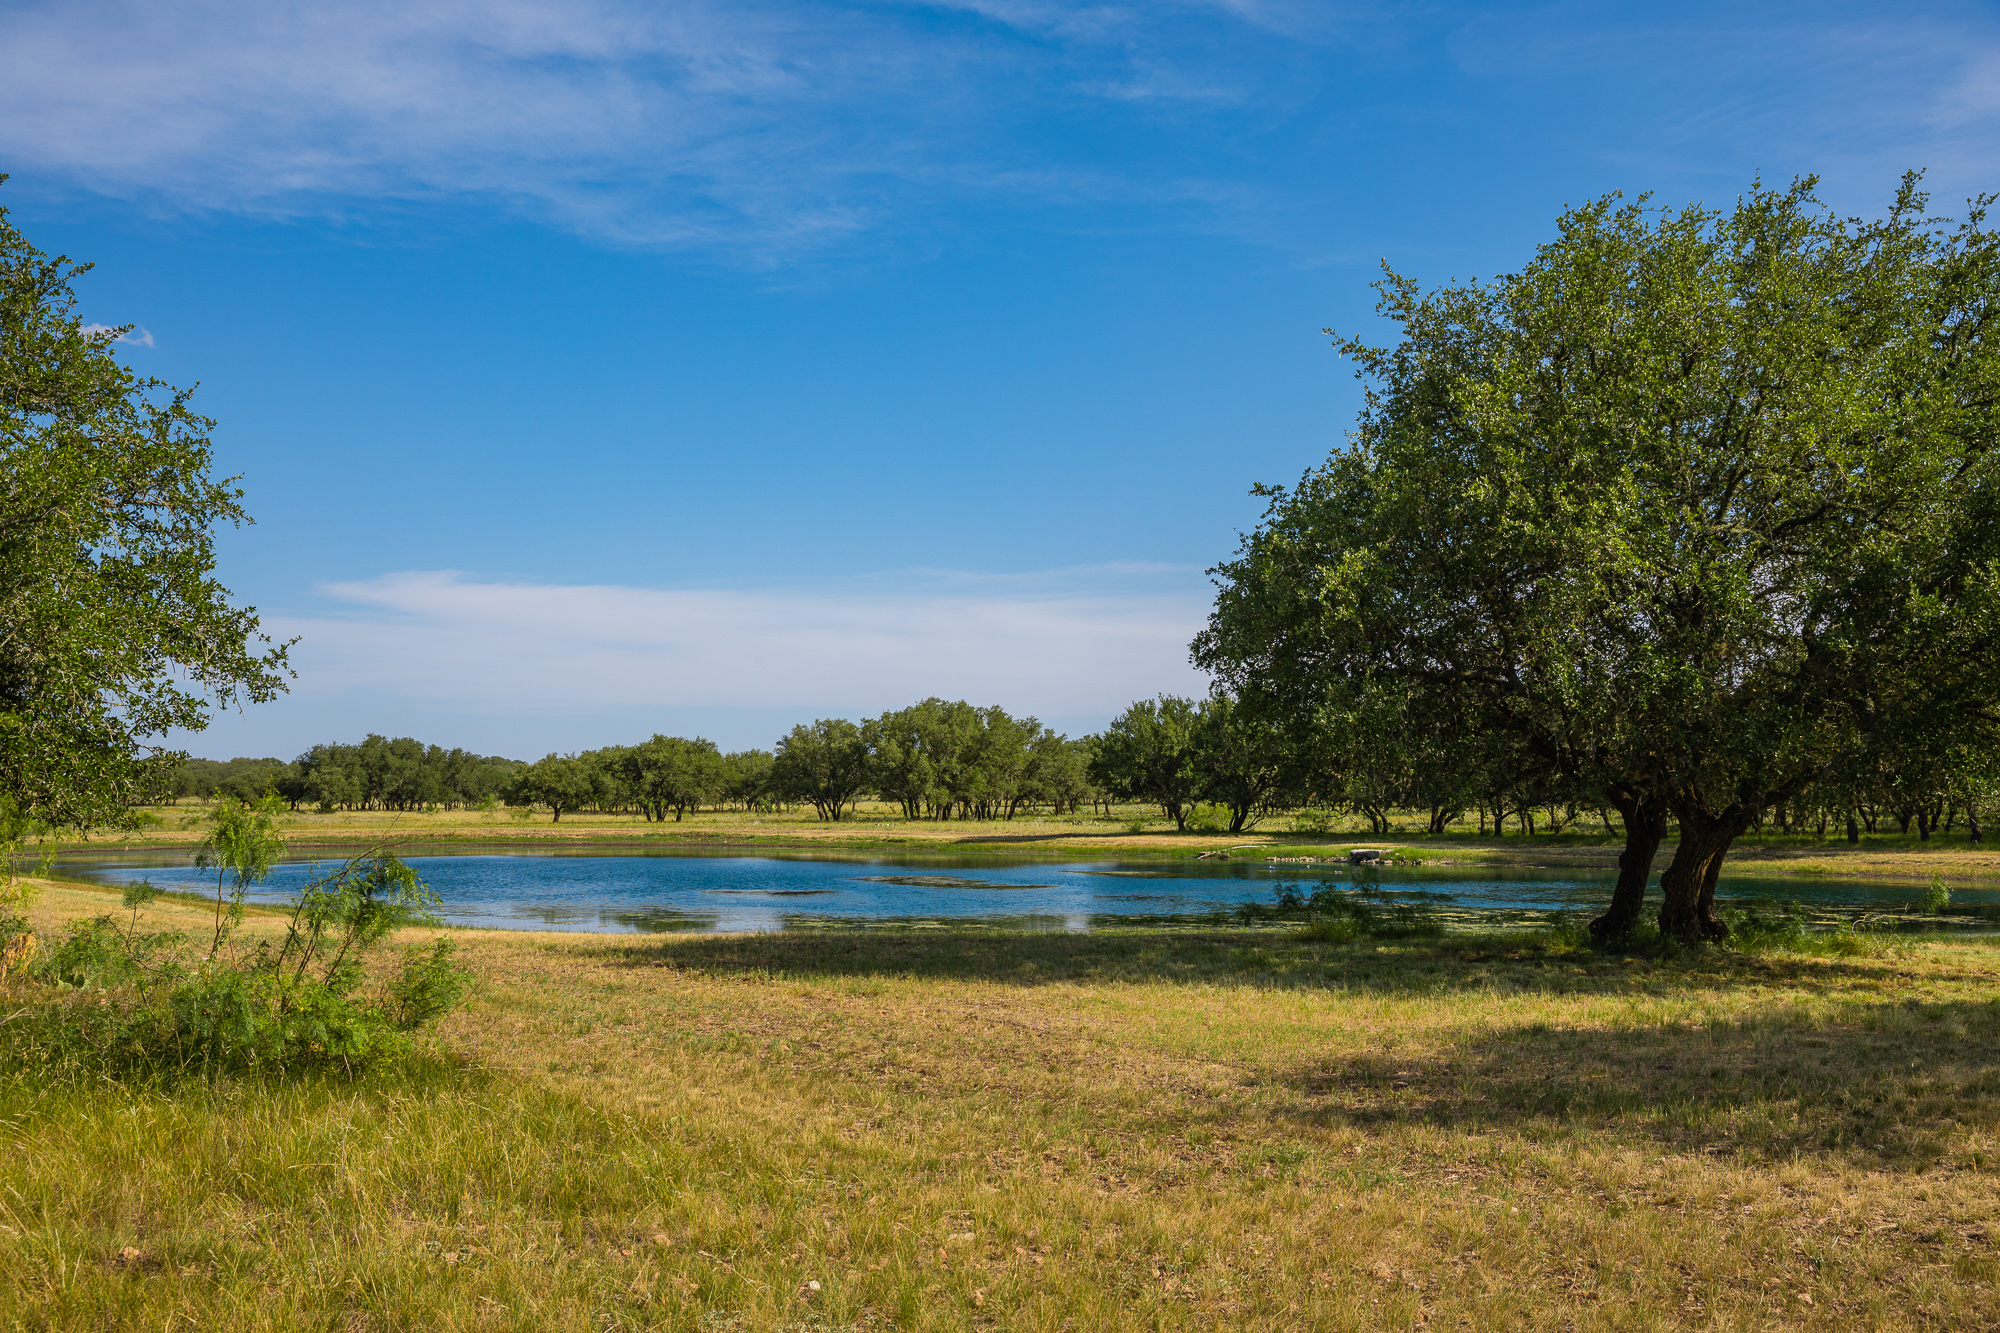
point(938, 760)
point(377, 774)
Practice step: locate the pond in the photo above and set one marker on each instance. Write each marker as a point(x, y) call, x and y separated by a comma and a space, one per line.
point(659, 889)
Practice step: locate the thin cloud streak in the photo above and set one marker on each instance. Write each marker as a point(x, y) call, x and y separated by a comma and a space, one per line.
point(1082, 642)
point(779, 124)
point(772, 129)
point(1860, 97)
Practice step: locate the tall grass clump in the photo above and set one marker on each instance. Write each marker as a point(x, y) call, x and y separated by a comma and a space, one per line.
point(109, 996)
point(1766, 926)
point(1336, 916)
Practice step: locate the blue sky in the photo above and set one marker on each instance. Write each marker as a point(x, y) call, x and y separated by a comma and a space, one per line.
point(596, 368)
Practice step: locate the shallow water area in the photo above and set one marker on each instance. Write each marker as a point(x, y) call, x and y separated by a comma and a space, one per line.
point(656, 889)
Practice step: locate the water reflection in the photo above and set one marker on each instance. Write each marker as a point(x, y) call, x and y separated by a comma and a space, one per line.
point(659, 921)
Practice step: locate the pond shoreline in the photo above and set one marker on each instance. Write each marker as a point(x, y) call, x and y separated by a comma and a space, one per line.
point(650, 886)
point(1952, 859)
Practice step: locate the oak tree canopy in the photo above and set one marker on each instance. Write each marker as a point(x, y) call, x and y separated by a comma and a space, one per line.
point(1696, 509)
point(113, 631)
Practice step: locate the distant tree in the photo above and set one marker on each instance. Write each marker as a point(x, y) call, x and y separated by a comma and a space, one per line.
point(995, 775)
point(559, 781)
point(749, 778)
point(673, 773)
point(1243, 757)
point(399, 774)
point(610, 787)
point(113, 633)
point(1695, 510)
point(329, 777)
point(1059, 772)
point(911, 750)
point(1148, 754)
point(825, 763)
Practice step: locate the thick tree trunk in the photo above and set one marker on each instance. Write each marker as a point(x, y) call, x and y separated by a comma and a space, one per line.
point(1687, 887)
point(1972, 823)
point(1645, 826)
point(1853, 829)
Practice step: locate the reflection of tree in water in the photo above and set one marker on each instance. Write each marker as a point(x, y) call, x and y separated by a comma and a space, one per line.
point(660, 921)
point(775, 893)
point(943, 882)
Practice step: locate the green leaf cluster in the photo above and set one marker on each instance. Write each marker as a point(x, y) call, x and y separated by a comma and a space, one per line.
point(113, 632)
point(301, 1003)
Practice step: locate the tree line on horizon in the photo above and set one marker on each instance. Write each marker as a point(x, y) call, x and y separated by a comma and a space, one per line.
point(937, 759)
point(942, 760)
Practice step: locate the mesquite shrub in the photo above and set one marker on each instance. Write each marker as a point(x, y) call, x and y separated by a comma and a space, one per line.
point(307, 1001)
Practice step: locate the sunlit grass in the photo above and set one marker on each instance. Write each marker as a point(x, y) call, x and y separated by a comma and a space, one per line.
point(1141, 1129)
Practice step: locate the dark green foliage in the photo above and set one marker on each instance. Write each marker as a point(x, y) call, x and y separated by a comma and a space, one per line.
point(749, 781)
point(824, 764)
point(668, 773)
point(944, 759)
point(1148, 754)
point(1697, 512)
point(399, 774)
point(112, 632)
point(244, 778)
point(1245, 758)
point(559, 781)
point(302, 1004)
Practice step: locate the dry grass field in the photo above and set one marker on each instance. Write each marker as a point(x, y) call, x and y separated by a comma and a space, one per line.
point(1127, 1130)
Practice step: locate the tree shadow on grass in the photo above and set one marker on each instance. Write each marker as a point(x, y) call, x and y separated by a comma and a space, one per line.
point(1902, 1083)
point(1251, 958)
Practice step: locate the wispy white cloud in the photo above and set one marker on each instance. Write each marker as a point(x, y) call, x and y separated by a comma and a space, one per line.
point(135, 335)
point(1066, 643)
point(772, 123)
point(776, 127)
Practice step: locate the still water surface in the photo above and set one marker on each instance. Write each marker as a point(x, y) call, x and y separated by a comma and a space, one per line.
point(655, 889)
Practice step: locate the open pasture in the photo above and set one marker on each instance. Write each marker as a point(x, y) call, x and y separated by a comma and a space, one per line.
point(1233, 1129)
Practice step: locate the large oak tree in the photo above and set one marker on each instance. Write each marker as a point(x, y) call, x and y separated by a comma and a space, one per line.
point(1694, 510)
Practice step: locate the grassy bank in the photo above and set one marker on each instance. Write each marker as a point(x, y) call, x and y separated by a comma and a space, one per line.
point(1130, 832)
point(1123, 1130)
